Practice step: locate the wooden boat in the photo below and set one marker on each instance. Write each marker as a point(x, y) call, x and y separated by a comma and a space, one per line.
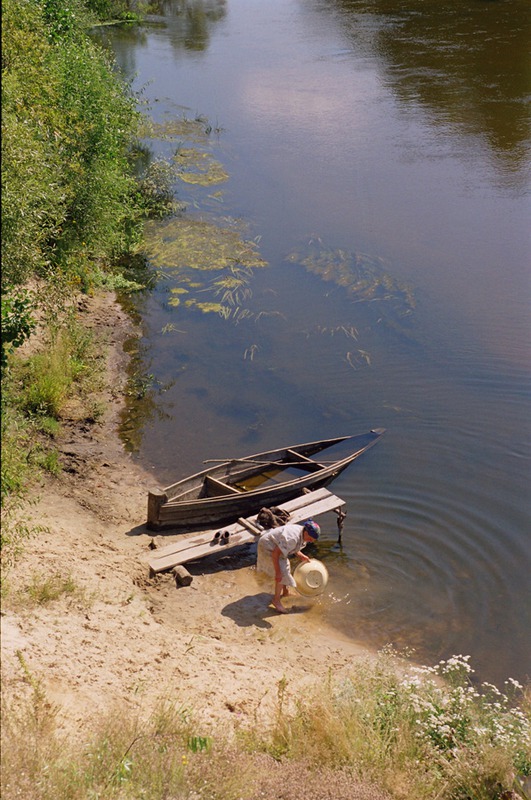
point(239, 487)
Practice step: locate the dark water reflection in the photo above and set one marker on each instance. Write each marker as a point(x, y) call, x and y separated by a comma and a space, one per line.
point(467, 65)
point(395, 138)
point(191, 22)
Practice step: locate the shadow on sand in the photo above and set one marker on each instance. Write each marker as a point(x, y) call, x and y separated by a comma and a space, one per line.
point(255, 610)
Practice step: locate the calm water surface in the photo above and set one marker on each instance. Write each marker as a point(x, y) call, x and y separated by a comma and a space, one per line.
point(393, 144)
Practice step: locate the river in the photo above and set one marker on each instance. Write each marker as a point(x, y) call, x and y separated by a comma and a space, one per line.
point(368, 165)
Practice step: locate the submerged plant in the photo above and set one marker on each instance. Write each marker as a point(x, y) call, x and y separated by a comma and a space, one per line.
point(205, 258)
point(199, 256)
point(198, 167)
point(364, 277)
point(181, 128)
point(251, 351)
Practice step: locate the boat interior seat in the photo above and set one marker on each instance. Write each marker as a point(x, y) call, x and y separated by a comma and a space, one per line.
point(304, 462)
point(214, 487)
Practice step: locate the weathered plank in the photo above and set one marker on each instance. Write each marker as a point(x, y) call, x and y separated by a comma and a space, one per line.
point(300, 508)
point(219, 487)
point(249, 526)
point(200, 550)
point(198, 545)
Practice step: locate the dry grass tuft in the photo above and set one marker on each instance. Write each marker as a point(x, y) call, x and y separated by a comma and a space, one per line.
point(384, 732)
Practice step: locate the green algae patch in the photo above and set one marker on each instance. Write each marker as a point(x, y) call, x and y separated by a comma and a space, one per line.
point(185, 243)
point(207, 260)
point(192, 161)
point(192, 130)
point(204, 258)
point(217, 308)
point(198, 167)
point(176, 292)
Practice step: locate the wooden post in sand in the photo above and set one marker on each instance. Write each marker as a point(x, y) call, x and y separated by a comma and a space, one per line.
point(182, 576)
point(156, 499)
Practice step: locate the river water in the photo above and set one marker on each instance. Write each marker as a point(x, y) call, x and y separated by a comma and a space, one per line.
point(375, 157)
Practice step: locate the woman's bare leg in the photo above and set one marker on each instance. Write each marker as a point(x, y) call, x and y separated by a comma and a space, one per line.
point(276, 598)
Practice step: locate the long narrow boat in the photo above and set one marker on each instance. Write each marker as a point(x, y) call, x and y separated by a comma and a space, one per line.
point(239, 487)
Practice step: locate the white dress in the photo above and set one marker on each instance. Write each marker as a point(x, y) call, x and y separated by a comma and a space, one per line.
point(289, 539)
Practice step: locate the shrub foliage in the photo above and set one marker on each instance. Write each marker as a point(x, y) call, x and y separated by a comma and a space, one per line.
point(71, 214)
point(67, 125)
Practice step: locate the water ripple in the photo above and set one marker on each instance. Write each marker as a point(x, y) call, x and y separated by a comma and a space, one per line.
point(423, 565)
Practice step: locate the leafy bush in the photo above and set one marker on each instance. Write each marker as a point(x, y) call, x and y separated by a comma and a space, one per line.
point(61, 19)
point(17, 321)
point(115, 9)
point(31, 197)
point(67, 188)
point(155, 194)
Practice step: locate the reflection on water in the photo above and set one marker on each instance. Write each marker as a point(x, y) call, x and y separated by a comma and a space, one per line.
point(381, 131)
point(187, 25)
point(191, 21)
point(468, 66)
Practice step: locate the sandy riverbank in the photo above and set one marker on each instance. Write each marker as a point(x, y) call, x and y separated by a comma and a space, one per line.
point(121, 638)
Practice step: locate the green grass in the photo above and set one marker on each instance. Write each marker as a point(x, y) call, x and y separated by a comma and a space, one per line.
point(39, 391)
point(48, 380)
point(46, 589)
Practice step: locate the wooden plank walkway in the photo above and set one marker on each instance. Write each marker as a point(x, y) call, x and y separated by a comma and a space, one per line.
point(190, 547)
